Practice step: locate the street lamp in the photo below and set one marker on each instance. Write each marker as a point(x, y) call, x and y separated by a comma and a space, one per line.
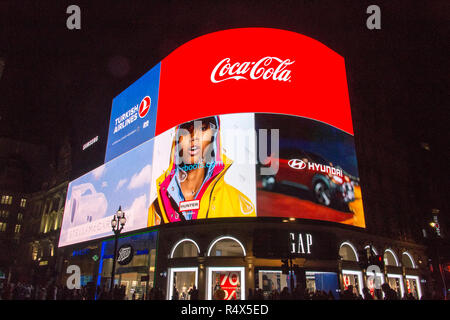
point(117, 224)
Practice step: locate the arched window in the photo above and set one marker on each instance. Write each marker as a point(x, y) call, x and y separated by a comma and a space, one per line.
point(226, 246)
point(390, 259)
point(408, 261)
point(185, 248)
point(348, 252)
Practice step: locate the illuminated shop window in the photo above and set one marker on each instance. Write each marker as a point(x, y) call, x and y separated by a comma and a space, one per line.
point(23, 202)
point(6, 200)
point(181, 281)
point(390, 259)
point(185, 248)
point(2, 226)
point(407, 261)
point(226, 246)
point(34, 252)
point(413, 286)
point(348, 252)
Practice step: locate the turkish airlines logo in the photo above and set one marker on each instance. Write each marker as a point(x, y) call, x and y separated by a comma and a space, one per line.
point(297, 164)
point(144, 107)
point(266, 68)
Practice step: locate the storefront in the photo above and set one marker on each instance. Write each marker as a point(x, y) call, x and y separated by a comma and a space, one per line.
point(86, 257)
point(413, 286)
point(395, 281)
point(135, 265)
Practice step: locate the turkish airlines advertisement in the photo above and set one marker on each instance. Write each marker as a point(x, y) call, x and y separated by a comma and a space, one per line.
point(251, 122)
point(133, 115)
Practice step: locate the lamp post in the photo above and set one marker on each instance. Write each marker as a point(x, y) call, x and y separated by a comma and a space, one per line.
point(117, 224)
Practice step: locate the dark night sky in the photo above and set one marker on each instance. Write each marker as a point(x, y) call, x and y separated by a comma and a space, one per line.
point(59, 82)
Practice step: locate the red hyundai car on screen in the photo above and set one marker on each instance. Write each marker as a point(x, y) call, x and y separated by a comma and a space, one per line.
point(328, 184)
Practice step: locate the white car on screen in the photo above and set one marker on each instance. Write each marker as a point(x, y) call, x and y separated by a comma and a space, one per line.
point(86, 204)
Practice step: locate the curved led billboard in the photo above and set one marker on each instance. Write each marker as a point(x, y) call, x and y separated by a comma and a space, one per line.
point(250, 122)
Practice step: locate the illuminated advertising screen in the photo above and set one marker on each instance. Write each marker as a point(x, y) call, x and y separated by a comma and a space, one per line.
point(205, 169)
point(133, 115)
point(94, 198)
point(249, 122)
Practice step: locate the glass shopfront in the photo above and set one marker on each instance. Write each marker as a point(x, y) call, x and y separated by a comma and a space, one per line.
point(395, 281)
point(413, 286)
point(354, 278)
point(135, 264)
point(322, 281)
point(226, 283)
point(372, 279)
point(181, 281)
point(272, 282)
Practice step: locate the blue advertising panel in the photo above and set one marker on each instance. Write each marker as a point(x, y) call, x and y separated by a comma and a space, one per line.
point(133, 115)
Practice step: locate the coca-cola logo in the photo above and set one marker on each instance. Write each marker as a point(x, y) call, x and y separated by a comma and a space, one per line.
point(266, 68)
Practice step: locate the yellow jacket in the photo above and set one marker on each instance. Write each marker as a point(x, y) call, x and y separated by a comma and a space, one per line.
point(219, 200)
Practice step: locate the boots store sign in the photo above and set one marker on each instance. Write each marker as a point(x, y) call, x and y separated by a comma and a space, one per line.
point(125, 254)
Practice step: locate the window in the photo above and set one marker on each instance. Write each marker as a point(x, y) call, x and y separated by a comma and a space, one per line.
point(2, 226)
point(4, 213)
point(407, 261)
point(17, 228)
point(23, 202)
point(226, 246)
point(348, 252)
point(6, 200)
point(19, 216)
point(34, 252)
point(390, 259)
point(185, 248)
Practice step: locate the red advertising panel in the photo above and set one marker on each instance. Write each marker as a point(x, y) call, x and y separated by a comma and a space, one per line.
point(253, 70)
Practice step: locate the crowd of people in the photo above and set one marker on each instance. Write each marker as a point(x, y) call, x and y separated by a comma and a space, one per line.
point(26, 291)
point(385, 293)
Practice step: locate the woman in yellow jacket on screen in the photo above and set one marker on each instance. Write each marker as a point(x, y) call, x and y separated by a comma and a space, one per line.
point(193, 186)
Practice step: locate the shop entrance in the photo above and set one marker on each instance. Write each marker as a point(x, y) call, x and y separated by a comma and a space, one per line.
point(181, 281)
point(322, 281)
point(413, 287)
point(396, 283)
point(134, 287)
point(226, 283)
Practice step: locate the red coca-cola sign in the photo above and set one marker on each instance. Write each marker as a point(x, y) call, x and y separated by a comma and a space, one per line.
point(266, 68)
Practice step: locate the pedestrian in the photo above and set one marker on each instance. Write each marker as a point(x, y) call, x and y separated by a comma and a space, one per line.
point(366, 293)
point(389, 294)
point(194, 293)
point(348, 294)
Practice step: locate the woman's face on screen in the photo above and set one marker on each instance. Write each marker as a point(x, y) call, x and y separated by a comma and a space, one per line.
point(194, 141)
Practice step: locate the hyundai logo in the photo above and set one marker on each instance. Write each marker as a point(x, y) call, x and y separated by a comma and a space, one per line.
point(297, 164)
